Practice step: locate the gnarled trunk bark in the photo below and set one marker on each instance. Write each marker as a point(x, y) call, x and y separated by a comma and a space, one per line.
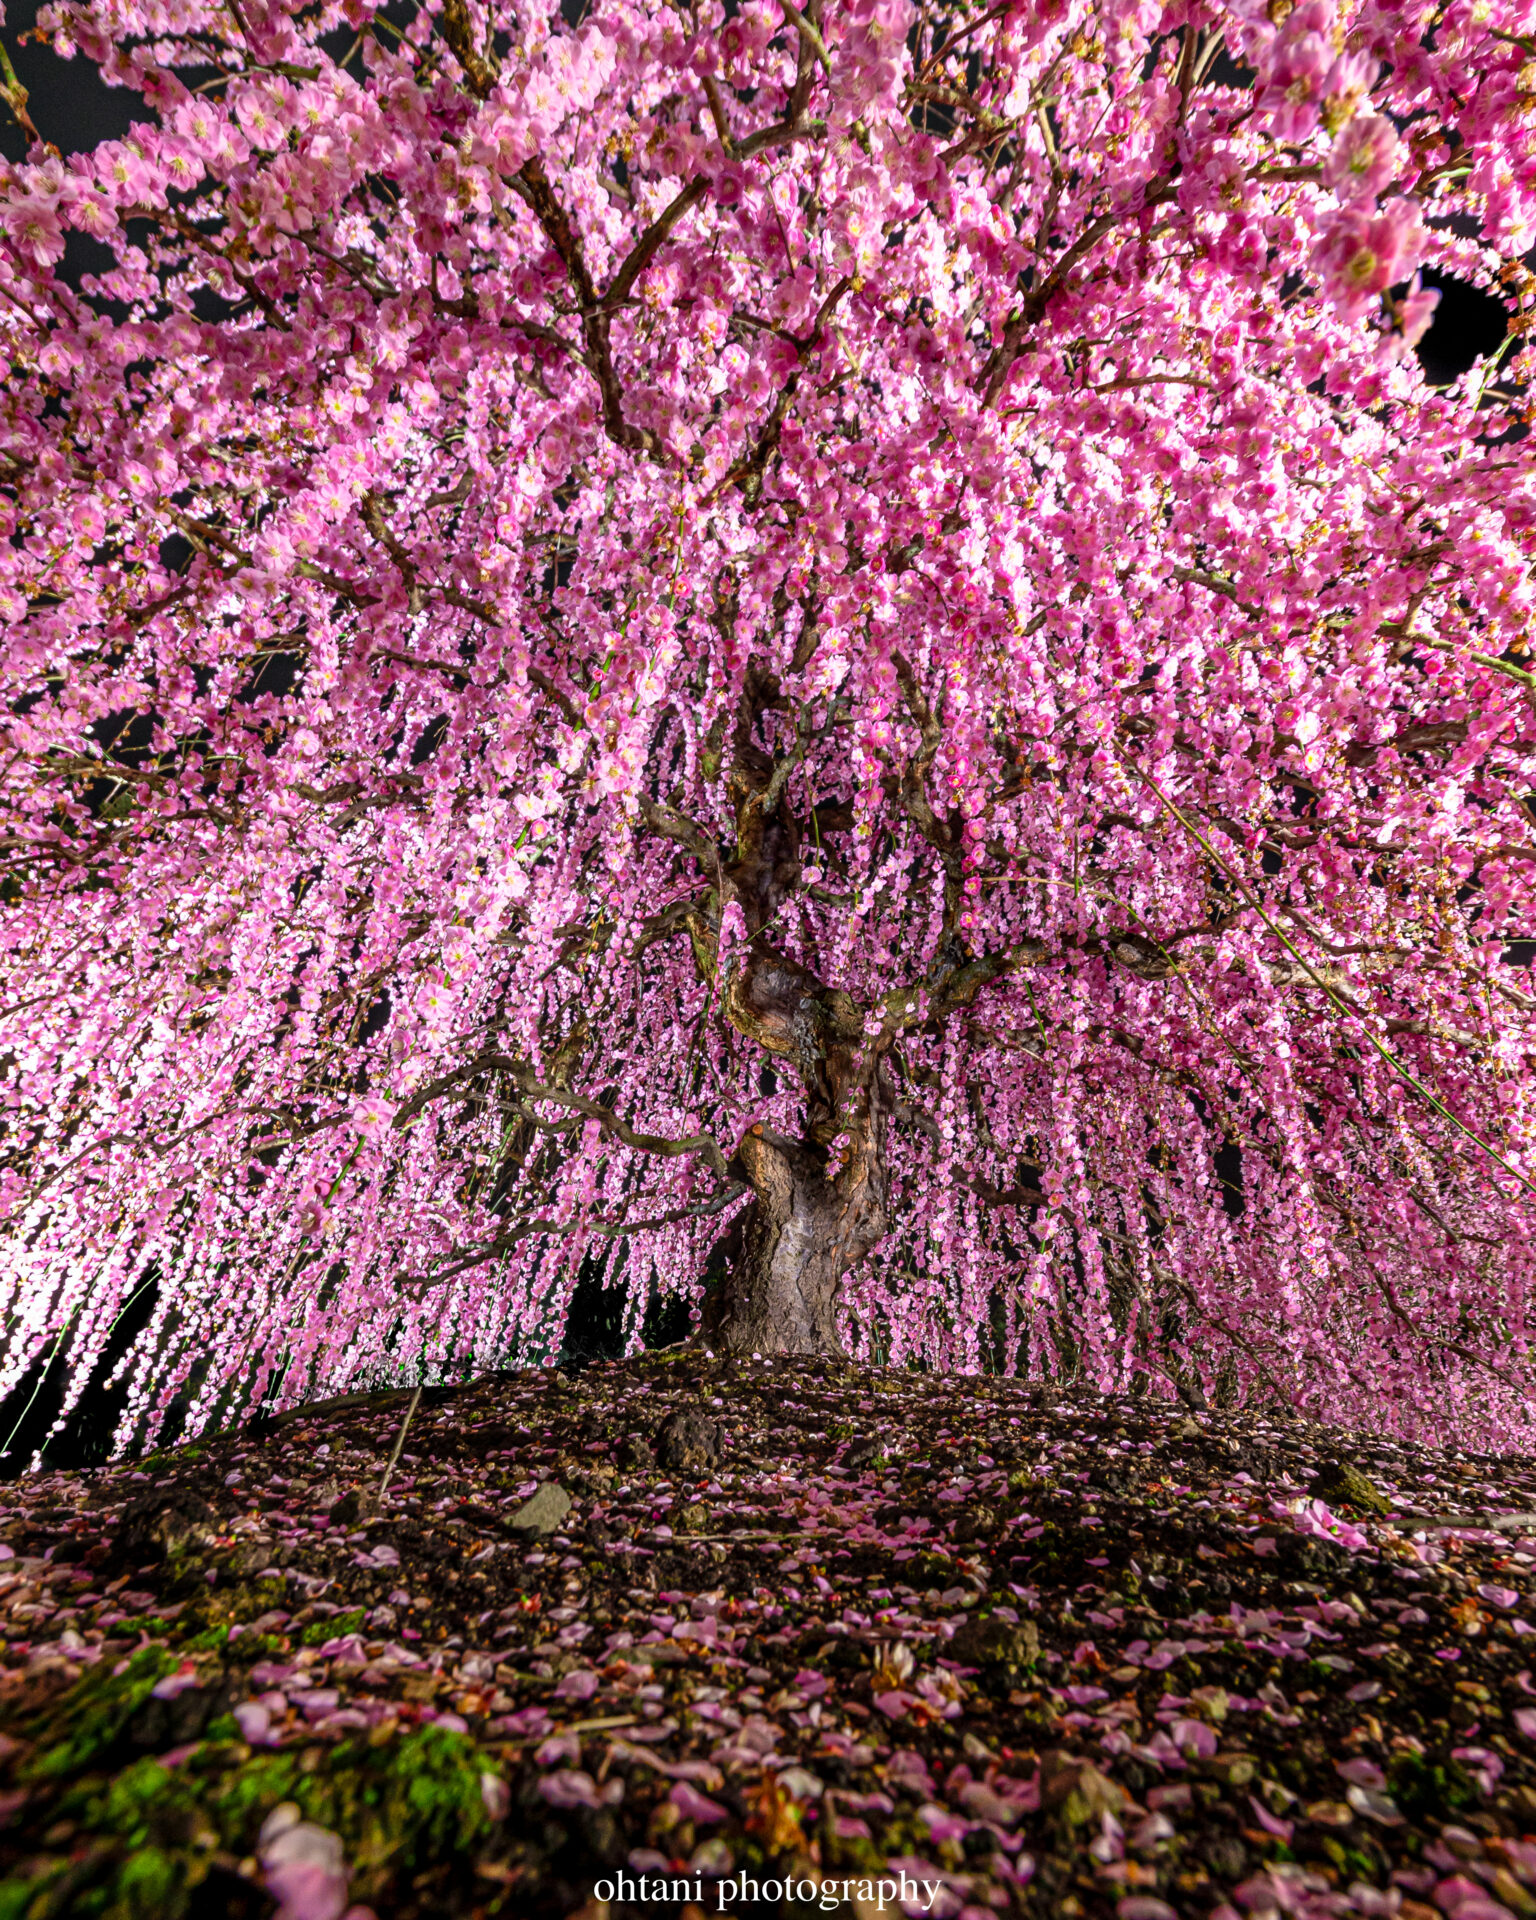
point(803, 1231)
point(820, 1200)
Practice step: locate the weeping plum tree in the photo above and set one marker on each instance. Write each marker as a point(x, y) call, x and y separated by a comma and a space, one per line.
point(834, 644)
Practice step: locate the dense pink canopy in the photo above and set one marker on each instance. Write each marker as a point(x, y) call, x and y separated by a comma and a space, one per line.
point(524, 535)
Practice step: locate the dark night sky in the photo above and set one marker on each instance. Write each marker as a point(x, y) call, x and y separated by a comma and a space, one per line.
point(70, 104)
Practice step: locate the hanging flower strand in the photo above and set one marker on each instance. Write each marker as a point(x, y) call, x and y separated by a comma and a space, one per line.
point(842, 648)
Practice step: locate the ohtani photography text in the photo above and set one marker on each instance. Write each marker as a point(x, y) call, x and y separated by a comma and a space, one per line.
point(880, 1892)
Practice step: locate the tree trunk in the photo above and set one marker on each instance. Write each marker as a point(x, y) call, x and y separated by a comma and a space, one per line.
point(802, 1233)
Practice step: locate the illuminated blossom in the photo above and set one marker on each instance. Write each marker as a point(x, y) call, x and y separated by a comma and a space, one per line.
point(1294, 80)
point(679, 645)
point(32, 222)
point(1361, 254)
point(1365, 159)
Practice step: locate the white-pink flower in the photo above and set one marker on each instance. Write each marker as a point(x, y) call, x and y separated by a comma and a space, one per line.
point(1348, 82)
point(33, 224)
point(304, 1866)
point(1359, 255)
point(1365, 159)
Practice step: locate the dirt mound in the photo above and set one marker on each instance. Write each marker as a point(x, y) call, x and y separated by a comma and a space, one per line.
point(1055, 1656)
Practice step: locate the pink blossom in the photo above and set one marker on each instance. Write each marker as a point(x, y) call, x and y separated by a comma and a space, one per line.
point(33, 224)
point(1360, 255)
point(1293, 90)
point(304, 1866)
point(530, 1723)
point(264, 112)
point(808, 664)
point(1485, 1765)
point(347, 1647)
point(1349, 82)
point(1365, 159)
point(127, 175)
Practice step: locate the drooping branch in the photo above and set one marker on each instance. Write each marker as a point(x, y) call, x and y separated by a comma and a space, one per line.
point(748, 472)
point(558, 1092)
point(463, 1260)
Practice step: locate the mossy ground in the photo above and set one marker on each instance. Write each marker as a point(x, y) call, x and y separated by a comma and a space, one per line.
point(1186, 1687)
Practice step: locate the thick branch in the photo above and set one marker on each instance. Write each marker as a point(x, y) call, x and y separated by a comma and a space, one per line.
point(650, 242)
point(453, 24)
point(672, 825)
point(1032, 308)
point(611, 1123)
point(953, 986)
point(533, 184)
point(810, 35)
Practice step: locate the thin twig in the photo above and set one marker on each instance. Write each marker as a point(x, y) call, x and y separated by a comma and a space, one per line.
point(15, 96)
point(405, 1427)
point(808, 33)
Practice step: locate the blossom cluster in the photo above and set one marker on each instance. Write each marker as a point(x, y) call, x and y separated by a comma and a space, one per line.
point(453, 472)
